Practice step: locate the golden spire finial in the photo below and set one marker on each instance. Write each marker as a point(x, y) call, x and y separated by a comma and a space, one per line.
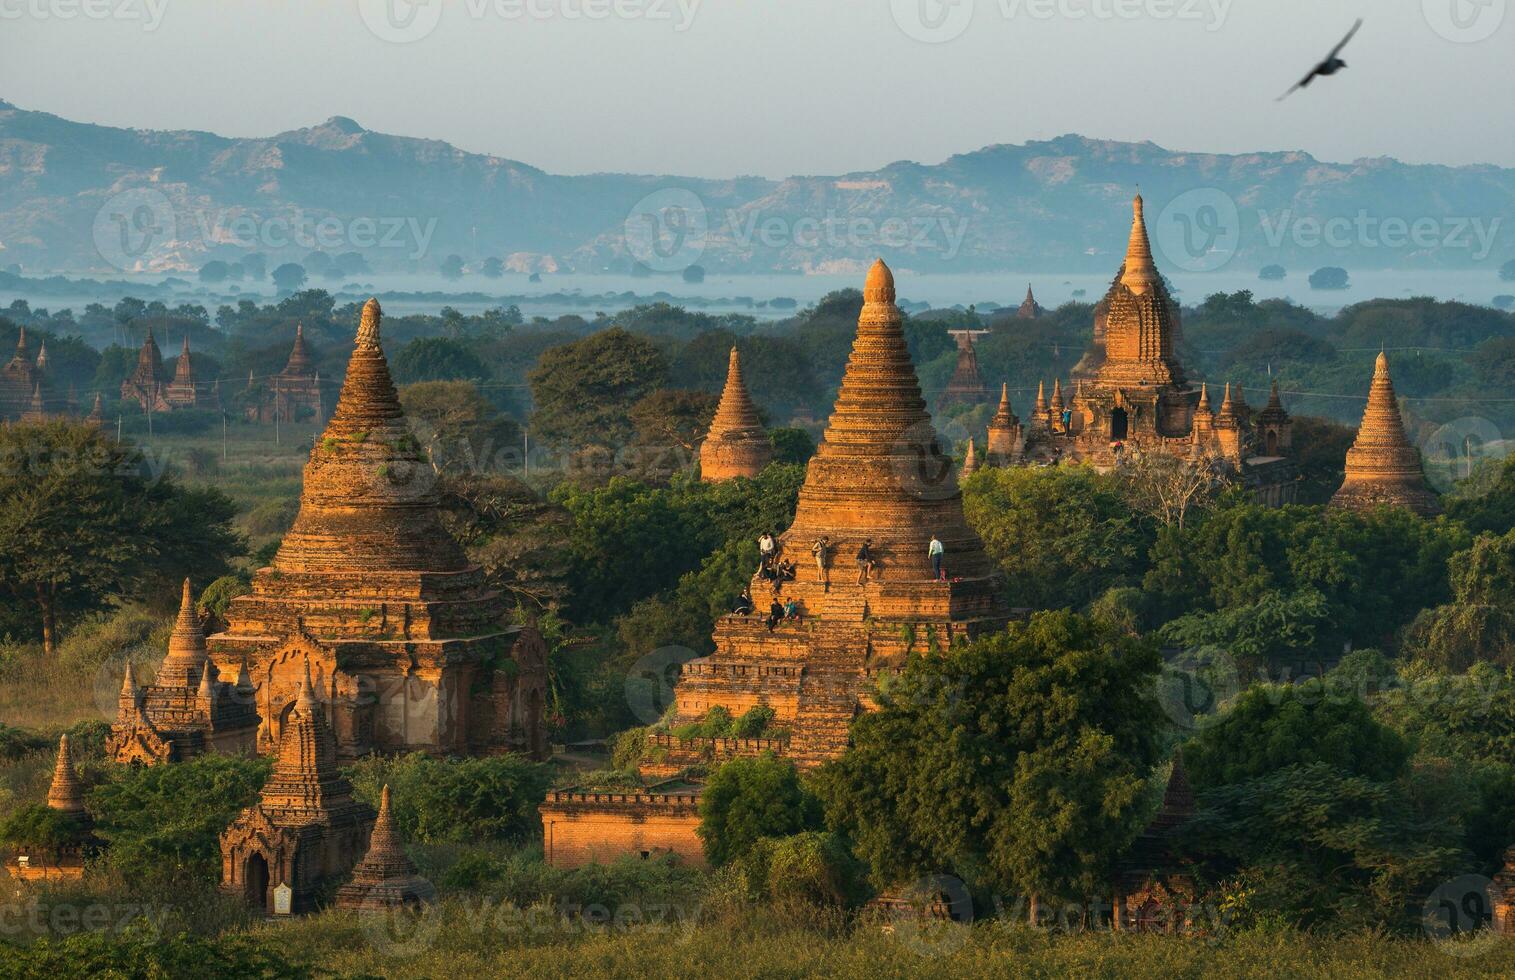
point(879, 286)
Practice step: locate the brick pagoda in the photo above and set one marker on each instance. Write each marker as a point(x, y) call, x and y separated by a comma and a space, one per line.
point(64, 860)
point(386, 878)
point(147, 386)
point(879, 475)
point(187, 710)
point(1029, 308)
point(965, 387)
point(22, 380)
point(306, 830)
point(404, 639)
point(180, 392)
point(1382, 466)
point(736, 444)
point(292, 393)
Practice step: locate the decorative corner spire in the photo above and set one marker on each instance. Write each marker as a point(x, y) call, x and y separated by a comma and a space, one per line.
point(1204, 396)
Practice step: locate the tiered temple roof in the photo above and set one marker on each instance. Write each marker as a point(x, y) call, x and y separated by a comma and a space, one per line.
point(1141, 322)
point(21, 380)
point(66, 794)
point(736, 444)
point(188, 710)
point(386, 878)
point(306, 829)
point(965, 387)
point(180, 392)
point(1382, 465)
point(371, 593)
point(147, 385)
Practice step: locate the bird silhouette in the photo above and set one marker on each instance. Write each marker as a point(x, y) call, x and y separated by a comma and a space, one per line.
point(1330, 66)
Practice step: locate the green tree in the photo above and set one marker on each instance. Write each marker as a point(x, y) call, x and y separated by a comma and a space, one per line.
point(1062, 535)
point(459, 429)
point(85, 520)
point(749, 799)
point(289, 277)
point(1479, 623)
point(671, 417)
point(1023, 756)
point(438, 359)
point(514, 535)
point(583, 391)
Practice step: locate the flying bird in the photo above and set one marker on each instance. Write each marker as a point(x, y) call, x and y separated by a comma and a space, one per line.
point(1330, 66)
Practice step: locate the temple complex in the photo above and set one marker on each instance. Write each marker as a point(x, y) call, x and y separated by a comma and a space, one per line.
point(736, 444)
point(407, 646)
point(965, 387)
point(147, 386)
point(1131, 396)
point(306, 831)
point(22, 381)
point(1382, 466)
point(386, 878)
point(1154, 892)
point(294, 393)
point(187, 710)
point(879, 478)
point(63, 860)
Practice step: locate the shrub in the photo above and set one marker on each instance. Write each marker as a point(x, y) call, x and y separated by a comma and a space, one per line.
point(748, 799)
point(436, 801)
point(144, 953)
point(219, 594)
point(813, 867)
point(38, 825)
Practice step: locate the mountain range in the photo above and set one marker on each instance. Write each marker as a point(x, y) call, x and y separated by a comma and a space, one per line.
point(84, 198)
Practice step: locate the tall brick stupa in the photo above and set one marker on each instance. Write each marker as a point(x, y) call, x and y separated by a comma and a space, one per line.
point(1382, 466)
point(736, 444)
point(405, 641)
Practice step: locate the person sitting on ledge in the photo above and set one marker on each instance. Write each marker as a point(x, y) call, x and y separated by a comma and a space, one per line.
point(865, 562)
point(775, 614)
point(744, 602)
point(792, 610)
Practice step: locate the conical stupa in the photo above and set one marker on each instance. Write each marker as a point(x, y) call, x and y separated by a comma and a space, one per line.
point(1382, 466)
point(736, 443)
point(66, 794)
point(386, 878)
point(1004, 430)
point(185, 662)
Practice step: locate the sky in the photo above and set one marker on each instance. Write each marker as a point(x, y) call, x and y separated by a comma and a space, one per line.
point(777, 87)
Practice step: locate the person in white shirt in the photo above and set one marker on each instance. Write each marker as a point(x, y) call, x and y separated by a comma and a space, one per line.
point(936, 551)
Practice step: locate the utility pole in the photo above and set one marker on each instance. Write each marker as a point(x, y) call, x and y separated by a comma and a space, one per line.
point(223, 435)
point(525, 452)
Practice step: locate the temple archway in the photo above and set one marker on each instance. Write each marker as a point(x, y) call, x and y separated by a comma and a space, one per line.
point(1272, 442)
point(1118, 423)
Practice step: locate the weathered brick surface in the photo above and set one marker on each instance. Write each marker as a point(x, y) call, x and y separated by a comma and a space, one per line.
point(583, 827)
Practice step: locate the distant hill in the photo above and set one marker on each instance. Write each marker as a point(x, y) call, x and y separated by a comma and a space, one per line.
point(80, 197)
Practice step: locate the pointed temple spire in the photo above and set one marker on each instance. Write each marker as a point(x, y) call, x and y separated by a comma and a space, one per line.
point(1204, 397)
point(42, 356)
point(880, 472)
point(1057, 396)
point(66, 794)
point(36, 412)
point(736, 443)
point(1028, 309)
point(97, 413)
point(1227, 413)
point(386, 878)
point(22, 353)
point(1140, 273)
point(299, 363)
point(970, 460)
point(1040, 408)
point(1004, 410)
point(1382, 465)
point(186, 659)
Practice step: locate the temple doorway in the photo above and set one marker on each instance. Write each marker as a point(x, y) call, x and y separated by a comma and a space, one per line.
point(256, 878)
point(1118, 424)
point(1272, 441)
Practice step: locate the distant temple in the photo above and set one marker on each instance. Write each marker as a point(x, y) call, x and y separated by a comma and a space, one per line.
point(24, 391)
point(187, 710)
point(60, 859)
point(1131, 396)
point(146, 385)
point(306, 831)
point(1029, 309)
point(180, 392)
point(386, 878)
point(1382, 466)
point(736, 443)
point(293, 393)
point(965, 387)
point(1154, 892)
point(407, 646)
point(879, 477)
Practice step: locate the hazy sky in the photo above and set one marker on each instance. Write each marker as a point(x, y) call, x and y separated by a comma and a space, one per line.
point(777, 87)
